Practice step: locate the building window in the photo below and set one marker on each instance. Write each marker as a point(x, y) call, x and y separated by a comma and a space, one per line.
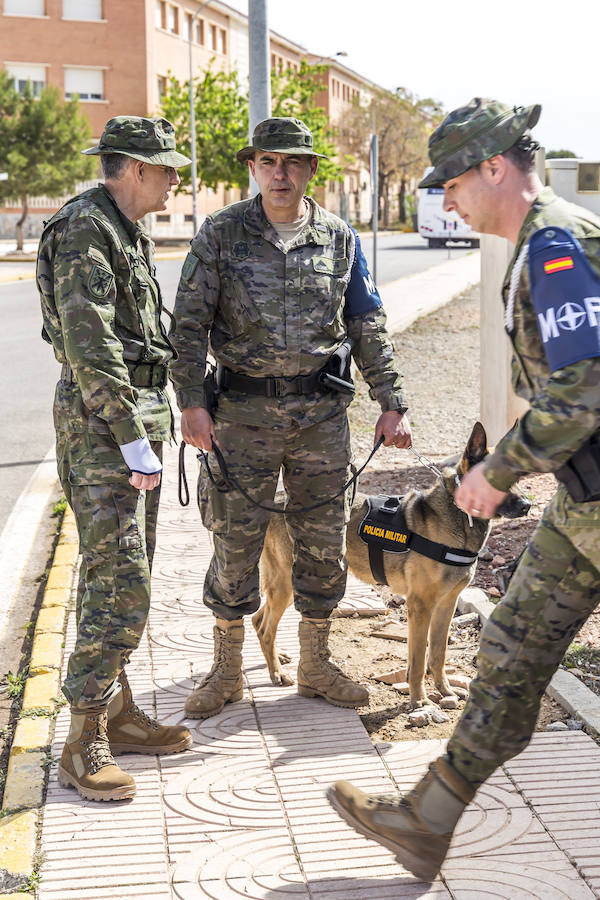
point(187, 26)
point(90, 10)
point(163, 218)
point(159, 14)
point(87, 83)
point(222, 41)
point(22, 74)
point(213, 37)
point(161, 85)
point(25, 7)
point(200, 32)
point(172, 19)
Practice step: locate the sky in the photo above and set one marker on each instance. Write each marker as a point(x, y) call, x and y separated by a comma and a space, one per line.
point(518, 51)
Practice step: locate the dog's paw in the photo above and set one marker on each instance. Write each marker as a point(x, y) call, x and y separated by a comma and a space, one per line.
point(281, 679)
point(419, 704)
point(284, 658)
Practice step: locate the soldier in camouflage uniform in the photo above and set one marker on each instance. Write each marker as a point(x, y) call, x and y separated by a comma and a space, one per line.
point(101, 307)
point(484, 158)
point(274, 286)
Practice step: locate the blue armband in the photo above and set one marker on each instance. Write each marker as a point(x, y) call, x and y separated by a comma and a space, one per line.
point(362, 296)
point(565, 292)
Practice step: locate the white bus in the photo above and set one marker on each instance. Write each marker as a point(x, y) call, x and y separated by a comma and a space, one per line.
point(438, 226)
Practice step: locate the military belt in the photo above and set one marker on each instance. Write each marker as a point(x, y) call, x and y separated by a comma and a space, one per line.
point(140, 375)
point(227, 380)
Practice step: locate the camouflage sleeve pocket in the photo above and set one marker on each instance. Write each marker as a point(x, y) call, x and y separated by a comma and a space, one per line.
point(211, 503)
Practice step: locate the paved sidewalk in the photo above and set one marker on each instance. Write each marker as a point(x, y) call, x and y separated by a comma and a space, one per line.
point(244, 815)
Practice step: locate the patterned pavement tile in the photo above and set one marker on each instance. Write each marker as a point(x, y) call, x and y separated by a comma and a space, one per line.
point(244, 813)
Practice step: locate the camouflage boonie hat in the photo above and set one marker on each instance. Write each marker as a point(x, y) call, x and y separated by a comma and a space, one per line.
point(149, 140)
point(468, 135)
point(280, 135)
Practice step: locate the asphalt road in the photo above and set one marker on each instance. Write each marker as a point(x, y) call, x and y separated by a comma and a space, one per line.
point(30, 370)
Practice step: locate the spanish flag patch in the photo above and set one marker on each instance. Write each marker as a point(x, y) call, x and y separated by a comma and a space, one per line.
point(558, 265)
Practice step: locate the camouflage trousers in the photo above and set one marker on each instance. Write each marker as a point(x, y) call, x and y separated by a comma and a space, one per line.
point(314, 462)
point(553, 591)
point(117, 534)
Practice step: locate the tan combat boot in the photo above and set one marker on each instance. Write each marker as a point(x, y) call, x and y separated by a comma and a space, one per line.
point(417, 827)
point(87, 764)
point(317, 676)
point(224, 682)
point(130, 730)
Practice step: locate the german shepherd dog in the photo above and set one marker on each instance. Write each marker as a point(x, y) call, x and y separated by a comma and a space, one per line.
point(431, 588)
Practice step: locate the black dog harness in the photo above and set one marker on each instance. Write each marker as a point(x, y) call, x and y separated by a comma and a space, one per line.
point(384, 529)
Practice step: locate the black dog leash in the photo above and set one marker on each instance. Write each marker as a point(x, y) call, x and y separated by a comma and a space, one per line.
point(228, 482)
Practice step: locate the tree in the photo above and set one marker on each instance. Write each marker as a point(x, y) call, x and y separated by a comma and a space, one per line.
point(221, 116)
point(221, 120)
point(41, 139)
point(561, 154)
point(403, 123)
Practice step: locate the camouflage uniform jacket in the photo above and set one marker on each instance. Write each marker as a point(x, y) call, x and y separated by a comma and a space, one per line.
point(564, 405)
point(101, 306)
point(270, 309)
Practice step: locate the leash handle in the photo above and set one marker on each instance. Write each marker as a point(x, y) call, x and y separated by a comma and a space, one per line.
point(182, 485)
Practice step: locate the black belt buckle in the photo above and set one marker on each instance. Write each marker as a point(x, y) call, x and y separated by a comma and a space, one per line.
point(280, 387)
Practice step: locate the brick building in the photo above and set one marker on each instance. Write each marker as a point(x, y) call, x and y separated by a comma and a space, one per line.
point(116, 55)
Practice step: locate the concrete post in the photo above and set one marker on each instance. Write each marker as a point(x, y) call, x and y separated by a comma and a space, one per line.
point(499, 406)
point(260, 70)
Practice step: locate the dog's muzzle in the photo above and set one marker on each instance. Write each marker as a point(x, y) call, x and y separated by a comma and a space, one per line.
point(514, 506)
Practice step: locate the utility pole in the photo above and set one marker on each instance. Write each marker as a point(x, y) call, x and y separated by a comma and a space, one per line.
point(260, 70)
point(193, 118)
point(374, 164)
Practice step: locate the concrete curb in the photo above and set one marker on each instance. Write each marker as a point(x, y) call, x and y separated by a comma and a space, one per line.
point(20, 532)
point(565, 688)
point(26, 773)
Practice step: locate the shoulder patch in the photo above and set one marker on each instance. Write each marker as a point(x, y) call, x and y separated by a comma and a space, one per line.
point(565, 292)
point(189, 266)
point(100, 281)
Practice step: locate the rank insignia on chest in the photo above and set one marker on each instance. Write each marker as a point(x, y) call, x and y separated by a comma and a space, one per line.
point(241, 250)
point(100, 281)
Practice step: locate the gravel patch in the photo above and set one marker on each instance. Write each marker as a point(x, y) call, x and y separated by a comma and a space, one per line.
point(439, 358)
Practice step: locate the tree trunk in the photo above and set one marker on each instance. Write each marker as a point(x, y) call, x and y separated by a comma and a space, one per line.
point(401, 201)
point(21, 223)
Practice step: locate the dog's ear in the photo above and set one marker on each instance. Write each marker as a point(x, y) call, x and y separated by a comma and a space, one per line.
point(476, 448)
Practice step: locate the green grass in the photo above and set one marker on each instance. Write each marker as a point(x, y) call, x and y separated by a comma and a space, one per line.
point(59, 507)
point(580, 656)
point(13, 685)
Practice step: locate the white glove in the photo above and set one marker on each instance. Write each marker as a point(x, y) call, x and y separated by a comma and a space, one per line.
point(140, 457)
